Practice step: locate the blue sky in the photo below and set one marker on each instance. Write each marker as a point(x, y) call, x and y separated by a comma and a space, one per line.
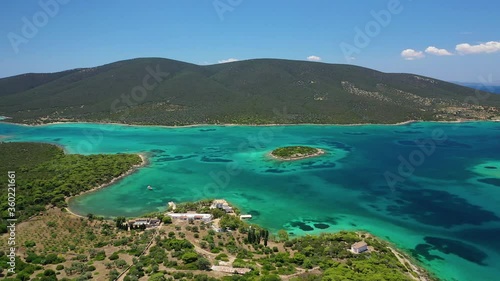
point(91, 33)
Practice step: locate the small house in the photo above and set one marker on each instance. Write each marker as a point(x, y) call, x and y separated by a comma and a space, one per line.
point(359, 247)
point(140, 221)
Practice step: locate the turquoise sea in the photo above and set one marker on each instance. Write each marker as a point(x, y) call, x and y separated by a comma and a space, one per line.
point(433, 189)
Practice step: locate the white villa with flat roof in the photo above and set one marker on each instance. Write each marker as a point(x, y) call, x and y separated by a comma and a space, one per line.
point(189, 216)
point(221, 204)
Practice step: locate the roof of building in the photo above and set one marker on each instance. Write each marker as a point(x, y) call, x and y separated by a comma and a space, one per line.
point(189, 215)
point(359, 244)
point(230, 269)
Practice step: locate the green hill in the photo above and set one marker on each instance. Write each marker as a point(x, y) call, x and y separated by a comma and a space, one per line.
point(245, 92)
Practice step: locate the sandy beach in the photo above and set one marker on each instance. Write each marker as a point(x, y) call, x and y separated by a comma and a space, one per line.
point(249, 125)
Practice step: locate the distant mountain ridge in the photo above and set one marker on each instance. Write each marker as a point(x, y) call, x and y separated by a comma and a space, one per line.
point(495, 89)
point(157, 91)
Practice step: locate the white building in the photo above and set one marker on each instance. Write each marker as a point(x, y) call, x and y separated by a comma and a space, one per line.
point(148, 222)
point(221, 204)
point(140, 221)
point(359, 247)
point(196, 217)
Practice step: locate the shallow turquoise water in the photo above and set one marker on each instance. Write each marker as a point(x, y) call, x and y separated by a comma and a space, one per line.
point(444, 208)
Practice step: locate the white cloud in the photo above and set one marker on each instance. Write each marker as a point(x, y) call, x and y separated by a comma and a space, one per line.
point(228, 60)
point(410, 54)
point(483, 48)
point(313, 58)
point(437, 52)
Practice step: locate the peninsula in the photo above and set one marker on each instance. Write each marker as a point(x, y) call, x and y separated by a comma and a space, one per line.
point(204, 240)
point(49, 176)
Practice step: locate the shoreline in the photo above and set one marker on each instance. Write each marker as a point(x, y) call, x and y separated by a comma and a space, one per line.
point(316, 154)
point(415, 266)
point(247, 125)
point(133, 169)
point(415, 270)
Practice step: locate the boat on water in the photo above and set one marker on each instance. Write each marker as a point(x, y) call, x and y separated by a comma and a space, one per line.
point(149, 187)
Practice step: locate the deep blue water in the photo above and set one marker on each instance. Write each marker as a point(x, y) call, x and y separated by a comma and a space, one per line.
point(431, 188)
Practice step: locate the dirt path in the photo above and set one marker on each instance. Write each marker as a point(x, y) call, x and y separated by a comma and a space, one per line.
point(404, 261)
point(122, 275)
point(301, 271)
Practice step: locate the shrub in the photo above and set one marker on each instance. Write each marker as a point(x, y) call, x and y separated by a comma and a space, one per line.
point(49, 272)
point(222, 257)
point(51, 224)
point(203, 264)
point(189, 257)
point(114, 256)
point(82, 258)
point(100, 256)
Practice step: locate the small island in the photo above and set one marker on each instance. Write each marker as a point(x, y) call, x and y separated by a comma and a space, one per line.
point(295, 152)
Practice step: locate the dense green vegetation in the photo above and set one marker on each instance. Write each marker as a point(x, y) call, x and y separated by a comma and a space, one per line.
point(246, 92)
point(46, 176)
point(329, 252)
point(290, 152)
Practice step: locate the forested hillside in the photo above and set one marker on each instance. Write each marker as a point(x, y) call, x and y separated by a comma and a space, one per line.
point(166, 92)
point(46, 176)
